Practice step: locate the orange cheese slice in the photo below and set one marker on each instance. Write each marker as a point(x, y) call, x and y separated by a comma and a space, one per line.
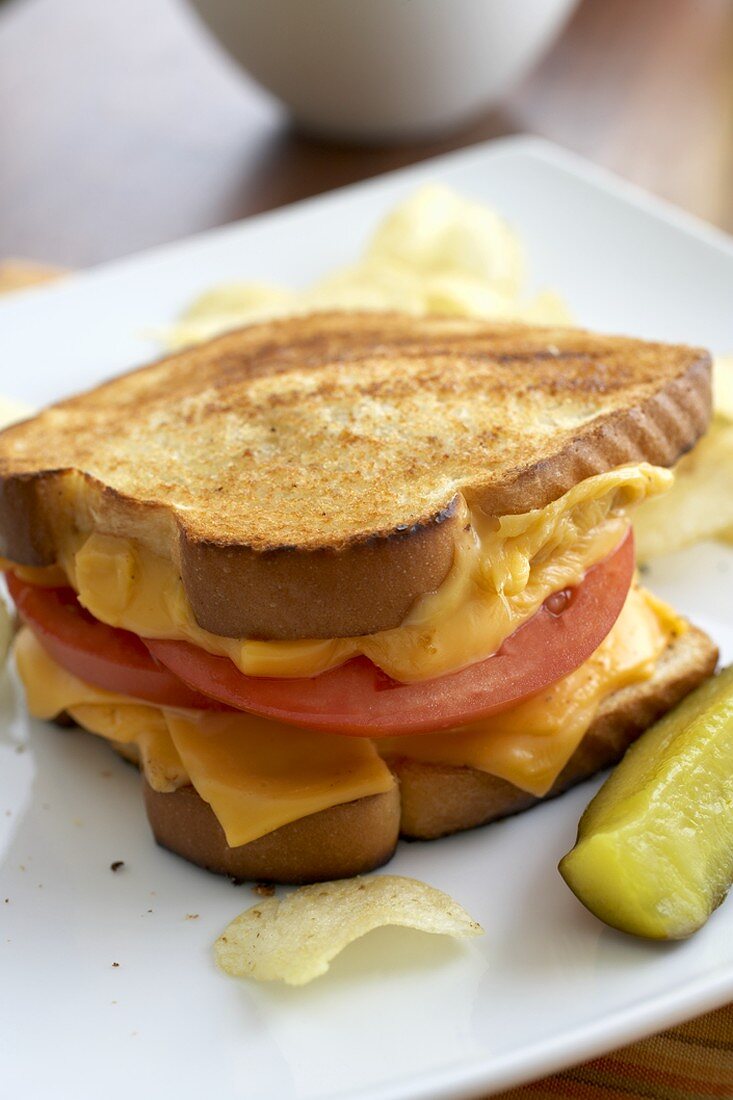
point(258, 775)
point(50, 689)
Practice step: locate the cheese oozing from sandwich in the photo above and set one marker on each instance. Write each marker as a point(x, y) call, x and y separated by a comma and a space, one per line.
point(531, 743)
point(257, 774)
point(503, 571)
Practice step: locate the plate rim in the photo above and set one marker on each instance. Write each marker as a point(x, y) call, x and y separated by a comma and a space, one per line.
point(553, 1056)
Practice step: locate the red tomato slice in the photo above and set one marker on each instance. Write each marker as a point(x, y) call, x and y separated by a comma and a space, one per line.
point(359, 699)
point(115, 660)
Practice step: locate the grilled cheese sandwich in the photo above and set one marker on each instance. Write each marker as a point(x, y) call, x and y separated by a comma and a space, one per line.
point(362, 525)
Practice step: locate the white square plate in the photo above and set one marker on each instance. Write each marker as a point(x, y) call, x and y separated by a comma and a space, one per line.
point(400, 1015)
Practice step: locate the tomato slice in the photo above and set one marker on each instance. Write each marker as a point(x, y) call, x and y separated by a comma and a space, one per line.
point(113, 659)
point(360, 700)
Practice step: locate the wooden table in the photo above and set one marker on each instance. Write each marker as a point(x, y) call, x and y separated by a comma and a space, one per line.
point(122, 125)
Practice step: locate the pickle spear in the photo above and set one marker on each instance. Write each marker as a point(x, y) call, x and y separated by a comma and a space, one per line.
point(654, 854)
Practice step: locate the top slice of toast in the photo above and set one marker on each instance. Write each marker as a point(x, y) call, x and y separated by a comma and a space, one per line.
point(318, 459)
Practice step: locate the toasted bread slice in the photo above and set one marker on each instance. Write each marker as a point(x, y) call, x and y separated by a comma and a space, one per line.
point(435, 799)
point(340, 842)
point(304, 474)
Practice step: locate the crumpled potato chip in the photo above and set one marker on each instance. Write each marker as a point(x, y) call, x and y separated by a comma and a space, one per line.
point(463, 295)
point(460, 295)
point(546, 308)
point(228, 306)
point(723, 386)
point(12, 411)
point(438, 230)
point(437, 252)
point(294, 940)
point(700, 503)
point(238, 298)
point(369, 284)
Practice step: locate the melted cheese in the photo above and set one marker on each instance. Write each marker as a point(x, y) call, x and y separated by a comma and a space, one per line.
point(258, 775)
point(530, 744)
point(50, 689)
point(503, 570)
point(145, 728)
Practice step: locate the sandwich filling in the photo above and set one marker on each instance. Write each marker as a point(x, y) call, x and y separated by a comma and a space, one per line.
point(258, 773)
point(503, 571)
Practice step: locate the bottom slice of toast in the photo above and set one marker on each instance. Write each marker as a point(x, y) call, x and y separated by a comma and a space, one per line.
point(428, 800)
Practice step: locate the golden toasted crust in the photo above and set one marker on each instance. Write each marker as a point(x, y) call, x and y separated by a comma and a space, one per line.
point(435, 799)
point(340, 842)
point(304, 473)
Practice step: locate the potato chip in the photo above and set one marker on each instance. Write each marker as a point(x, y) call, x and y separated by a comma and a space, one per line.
point(723, 386)
point(236, 299)
point(185, 335)
point(226, 307)
point(462, 295)
point(547, 308)
point(437, 230)
point(12, 410)
point(700, 503)
point(437, 252)
point(371, 284)
point(294, 940)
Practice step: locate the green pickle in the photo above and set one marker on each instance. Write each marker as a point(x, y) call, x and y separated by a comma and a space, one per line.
point(654, 854)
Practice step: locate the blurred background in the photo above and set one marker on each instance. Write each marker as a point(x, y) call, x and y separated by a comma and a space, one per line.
point(126, 124)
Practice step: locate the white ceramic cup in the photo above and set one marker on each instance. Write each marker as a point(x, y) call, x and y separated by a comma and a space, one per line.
point(385, 70)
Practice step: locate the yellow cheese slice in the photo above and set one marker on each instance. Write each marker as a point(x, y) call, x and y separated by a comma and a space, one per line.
point(144, 727)
point(503, 570)
point(530, 744)
point(258, 775)
point(50, 689)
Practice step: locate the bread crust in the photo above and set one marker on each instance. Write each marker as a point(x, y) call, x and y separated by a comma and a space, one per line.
point(304, 474)
point(439, 799)
point(342, 841)
point(320, 593)
point(433, 800)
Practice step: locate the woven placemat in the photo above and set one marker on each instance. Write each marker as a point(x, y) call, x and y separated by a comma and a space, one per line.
point(18, 274)
point(691, 1062)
